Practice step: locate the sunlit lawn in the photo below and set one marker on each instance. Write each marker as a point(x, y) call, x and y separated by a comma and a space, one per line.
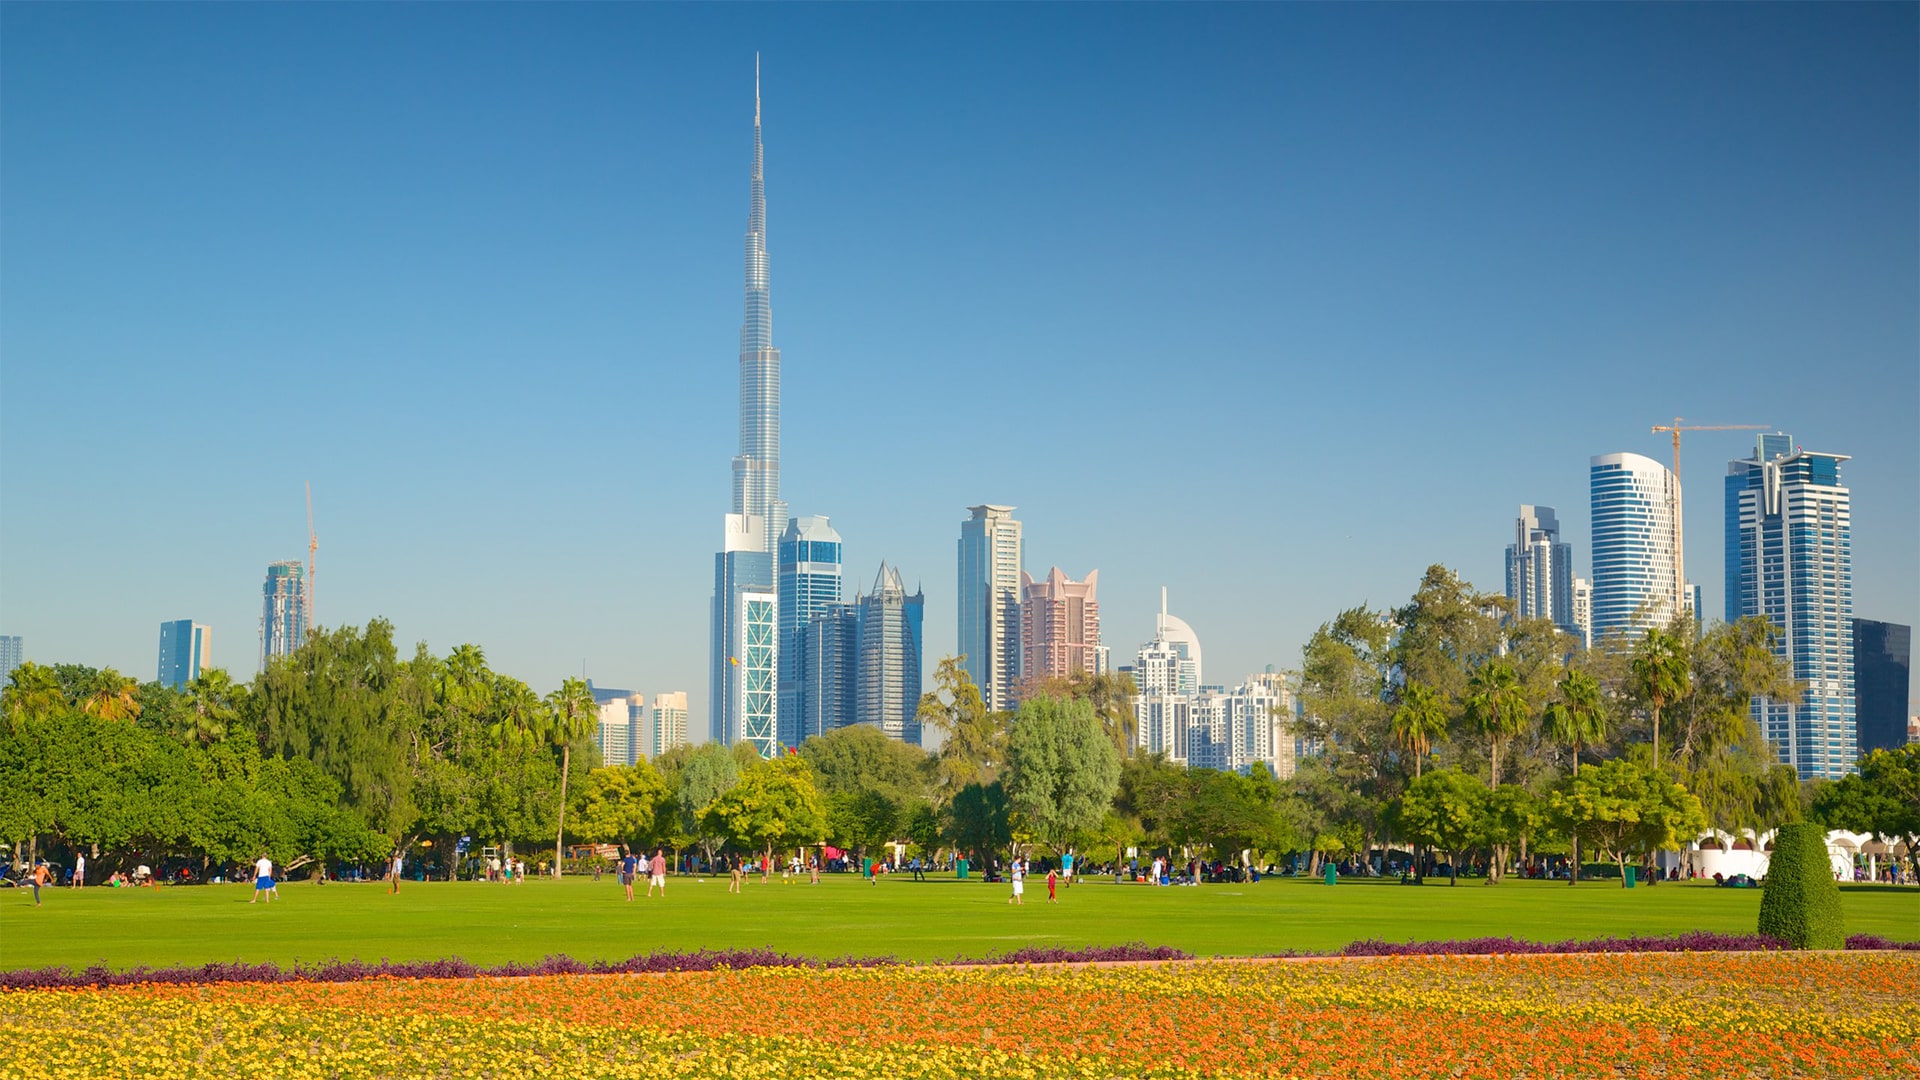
point(844, 916)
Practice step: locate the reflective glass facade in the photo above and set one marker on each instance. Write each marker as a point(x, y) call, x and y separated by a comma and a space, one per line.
point(183, 652)
point(1635, 568)
point(989, 602)
point(283, 620)
point(810, 573)
point(1789, 525)
point(1882, 679)
point(891, 638)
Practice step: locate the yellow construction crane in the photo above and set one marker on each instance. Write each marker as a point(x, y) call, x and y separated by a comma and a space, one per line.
point(313, 547)
point(1679, 548)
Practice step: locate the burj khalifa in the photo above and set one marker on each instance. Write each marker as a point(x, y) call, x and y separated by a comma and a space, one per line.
point(745, 644)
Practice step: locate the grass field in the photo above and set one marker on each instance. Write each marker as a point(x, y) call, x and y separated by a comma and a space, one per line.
point(940, 919)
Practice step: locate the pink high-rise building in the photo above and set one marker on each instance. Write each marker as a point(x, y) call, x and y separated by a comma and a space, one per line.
point(1060, 624)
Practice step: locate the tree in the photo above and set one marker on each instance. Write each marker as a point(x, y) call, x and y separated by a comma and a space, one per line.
point(1497, 707)
point(112, 696)
point(1347, 668)
point(1627, 809)
point(1801, 903)
point(975, 739)
point(571, 717)
point(1660, 673)
point(775, 805)
point(1111, 693)
point(977, 821)
point(707, 772)
point(1509, 818)
point(33, 694)
point(1884, 799)
point(1062, 768)
point(1418, 721)
point(1578, 719)
point(336, 701)
point(1443, 809)
point(620, 804)
point(213, 707)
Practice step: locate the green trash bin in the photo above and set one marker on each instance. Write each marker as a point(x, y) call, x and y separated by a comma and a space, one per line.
point(1333, 874)
point(1633, 872)
point(960, 869)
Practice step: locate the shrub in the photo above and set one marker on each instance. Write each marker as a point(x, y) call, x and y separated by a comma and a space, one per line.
point(1801, 901)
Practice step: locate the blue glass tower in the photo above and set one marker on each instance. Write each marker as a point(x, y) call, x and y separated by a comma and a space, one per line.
point(891, 639)
point(809, 572)
point(183, 652)
point(1790, 559)
point(1636, 570)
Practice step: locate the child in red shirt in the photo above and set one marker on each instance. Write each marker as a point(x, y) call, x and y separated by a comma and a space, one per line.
point(1053, 878)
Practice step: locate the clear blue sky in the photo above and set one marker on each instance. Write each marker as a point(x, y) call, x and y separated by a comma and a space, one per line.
point(1272, 305)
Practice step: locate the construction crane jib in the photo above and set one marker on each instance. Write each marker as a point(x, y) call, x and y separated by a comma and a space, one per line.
point(1679, 547)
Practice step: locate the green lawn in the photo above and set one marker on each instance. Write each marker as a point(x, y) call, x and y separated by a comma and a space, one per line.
point(843, 916)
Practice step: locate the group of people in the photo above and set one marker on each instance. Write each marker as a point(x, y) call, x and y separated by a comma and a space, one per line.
point(655, 868)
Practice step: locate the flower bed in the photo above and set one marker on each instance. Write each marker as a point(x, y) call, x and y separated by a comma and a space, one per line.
point(1675, 1015)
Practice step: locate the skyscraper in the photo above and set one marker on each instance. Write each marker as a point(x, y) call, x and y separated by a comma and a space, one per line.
point(830, 671)
point(620, 732)
point(1540, 569)
point(669, 728)
point(183, 652)
point(283, 621)
point(745, 639)
point(1882, 679)
point(756, 469)
point(1060, 625)
point(809, 572)
point(1583, 611)
point(1790, 542)
point(890, 652)
point(989, 608)
point(1636, 578)
point(13, 653)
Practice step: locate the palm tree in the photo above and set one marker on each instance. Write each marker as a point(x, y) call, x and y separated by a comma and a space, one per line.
point(112, 696)
point(1660, 675)
point(1578, 718)
point(33, 694)
point(518, 715)
point(1497, 705)
point(571, 715)
point(211, 707)
point(1419, 721)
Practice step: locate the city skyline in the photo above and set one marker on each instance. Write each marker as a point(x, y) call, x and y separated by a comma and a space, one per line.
point(451, 313)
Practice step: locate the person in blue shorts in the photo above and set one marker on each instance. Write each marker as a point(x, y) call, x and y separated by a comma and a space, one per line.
point(628, 867)
point(263, 880)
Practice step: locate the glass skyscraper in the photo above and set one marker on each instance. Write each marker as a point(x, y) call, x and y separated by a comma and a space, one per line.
point(1540, 569)
point(745, 638)
point(989, 594)
point(283, 620)
point(1636, 570)
point(809, 572)
point(830, 671)
point(1790, 559)
point(890, 651)
point(12, 654)
point(183, 652)
point(1882, 678)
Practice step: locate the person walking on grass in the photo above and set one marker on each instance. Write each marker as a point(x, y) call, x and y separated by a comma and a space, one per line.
point(657, 874)
point(1018, 872)
point(398, 862)
point(733, 865)
point(263, 880)
point(79, 871)
point(1053, 879)
point(629, 866)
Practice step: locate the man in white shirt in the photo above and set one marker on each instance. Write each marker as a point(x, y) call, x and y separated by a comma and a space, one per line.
point(263, 880)
point(79, 870)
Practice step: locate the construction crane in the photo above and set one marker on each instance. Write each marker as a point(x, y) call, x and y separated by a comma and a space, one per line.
point(1679, 548)
point(313, 548)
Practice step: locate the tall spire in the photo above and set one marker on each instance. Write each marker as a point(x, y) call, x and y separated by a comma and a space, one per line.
point(756, 470)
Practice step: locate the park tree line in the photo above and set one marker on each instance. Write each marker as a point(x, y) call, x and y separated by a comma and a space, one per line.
point(1444, 725)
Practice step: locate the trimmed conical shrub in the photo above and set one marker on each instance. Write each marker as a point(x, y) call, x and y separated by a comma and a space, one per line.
point(1801, 903)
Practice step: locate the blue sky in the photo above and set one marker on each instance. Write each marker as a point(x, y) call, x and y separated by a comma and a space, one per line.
point(1271, 305)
